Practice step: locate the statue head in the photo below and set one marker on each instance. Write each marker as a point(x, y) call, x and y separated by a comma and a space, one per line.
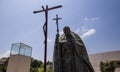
point(67, 30)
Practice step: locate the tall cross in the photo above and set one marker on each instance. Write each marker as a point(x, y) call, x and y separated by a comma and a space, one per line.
point(57, 22)
point(59, 63)
point(45, 29)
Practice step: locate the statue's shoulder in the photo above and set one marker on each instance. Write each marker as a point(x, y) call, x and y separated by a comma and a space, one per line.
point(77, 39)
point(76, 36)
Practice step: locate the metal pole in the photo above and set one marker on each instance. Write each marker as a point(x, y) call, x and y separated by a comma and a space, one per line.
point(45, 53)
point(59, 63)
point(45, 29)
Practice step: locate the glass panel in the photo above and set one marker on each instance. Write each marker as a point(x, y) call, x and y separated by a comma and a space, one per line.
point(15, 49)
point(28, 51)
point(22, 49)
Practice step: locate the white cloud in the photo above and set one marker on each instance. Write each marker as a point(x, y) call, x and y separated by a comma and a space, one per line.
point(88, 33)
point(6, 54)
point(91, 19)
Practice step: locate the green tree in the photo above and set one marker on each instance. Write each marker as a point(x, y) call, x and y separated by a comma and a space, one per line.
point(33, 70)
point(35, 64)
point(49, 68)
point(107, 67)
point(49, 63)
point(3, 66)
point(41, 69)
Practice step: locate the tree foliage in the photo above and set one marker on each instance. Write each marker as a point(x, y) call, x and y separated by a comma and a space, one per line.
point(36, 63)
point(3, 65)
point(107, 67)
point(38, 66)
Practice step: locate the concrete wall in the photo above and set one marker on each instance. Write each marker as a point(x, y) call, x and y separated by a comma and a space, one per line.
point(95, 59)
point(19, 63)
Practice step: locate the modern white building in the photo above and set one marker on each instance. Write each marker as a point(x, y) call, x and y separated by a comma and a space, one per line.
point(114, 56)
point(20, 58)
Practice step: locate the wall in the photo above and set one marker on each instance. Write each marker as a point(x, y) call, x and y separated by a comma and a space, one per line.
point(95, 59)
point(19, 63)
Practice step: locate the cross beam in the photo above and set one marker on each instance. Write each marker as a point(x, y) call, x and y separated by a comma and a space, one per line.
point(45, 29)
point(47, 9)
point(57, 18)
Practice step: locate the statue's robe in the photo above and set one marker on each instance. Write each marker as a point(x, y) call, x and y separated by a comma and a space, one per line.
point(70, 55)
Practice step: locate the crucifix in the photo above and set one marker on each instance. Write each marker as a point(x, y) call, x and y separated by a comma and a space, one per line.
point(59, 64)
point(57, 22)
point(45, 29)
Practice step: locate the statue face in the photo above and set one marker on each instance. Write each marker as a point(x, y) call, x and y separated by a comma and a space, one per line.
point(66, 31)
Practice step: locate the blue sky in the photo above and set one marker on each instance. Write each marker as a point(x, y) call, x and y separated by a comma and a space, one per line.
point(97, 22)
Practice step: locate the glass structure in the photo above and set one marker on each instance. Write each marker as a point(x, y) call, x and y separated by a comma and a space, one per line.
point(21, 49)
